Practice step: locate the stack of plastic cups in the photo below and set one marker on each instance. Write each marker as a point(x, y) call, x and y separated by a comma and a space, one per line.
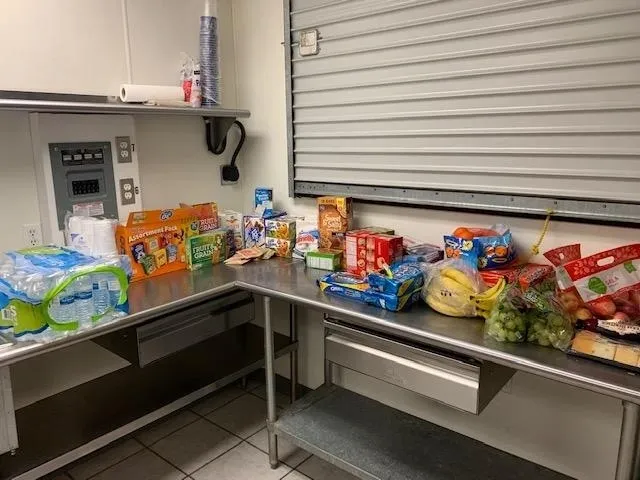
point(209, 61)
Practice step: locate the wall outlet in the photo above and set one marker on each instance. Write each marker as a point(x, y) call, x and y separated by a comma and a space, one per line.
point(32, 234)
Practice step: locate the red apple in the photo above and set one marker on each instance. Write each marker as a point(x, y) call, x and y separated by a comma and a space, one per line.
point(634, 296)
point(603, 308)
point(623, 317)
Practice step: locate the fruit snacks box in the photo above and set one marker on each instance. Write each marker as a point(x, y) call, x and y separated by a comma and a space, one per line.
point(206, 249)
point(356, 247)
point(234, 221)
point(335, 214)
point(207, 215)
point(154, 240)
point(283, 248)
point(382, 249)
point(282, 227)
point(254, 232)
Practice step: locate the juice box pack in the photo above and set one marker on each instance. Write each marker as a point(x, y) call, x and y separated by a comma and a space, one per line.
point(357, 255)
point(155, 240)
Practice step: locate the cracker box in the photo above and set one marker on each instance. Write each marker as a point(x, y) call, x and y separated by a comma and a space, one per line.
point(283, 248)
point(356, 247)
point(234, 221)
point(334, 214)
point(154, 240)
point(207, 215)
point(382, 249)
point(254, 232)
point(206, 249)
point(282, 227)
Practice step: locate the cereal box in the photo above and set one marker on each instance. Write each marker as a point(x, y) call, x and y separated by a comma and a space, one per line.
point(356, 247)
point(230, 242)
point(264, 200)
point(155, 239)
point(283, 248)
point(254, 232)
point(282, 227)
point(334, 214)
point(382, 249)
point(207, 215)
point(234, 221)
point(205, 249)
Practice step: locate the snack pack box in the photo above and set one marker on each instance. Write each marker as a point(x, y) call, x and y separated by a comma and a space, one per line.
point(405, 278)
point(206, 249)
point(356, 247)
point(324, 259)
point(154, 240)
point(254, 232)
point(382, 249)
point(283, 248)
point(207, 214)
point(234, 221)
point(281, 227)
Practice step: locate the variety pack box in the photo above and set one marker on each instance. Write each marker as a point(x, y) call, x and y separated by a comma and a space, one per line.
point(233, 221)
point(206, 249)
point(155, 240)
point(207, 215)
point(356, 248)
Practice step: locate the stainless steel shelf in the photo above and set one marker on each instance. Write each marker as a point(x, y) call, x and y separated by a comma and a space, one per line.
point(373, 441)
point(67, 103)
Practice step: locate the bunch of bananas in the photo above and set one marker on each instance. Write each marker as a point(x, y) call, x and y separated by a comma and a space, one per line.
point(453, 293)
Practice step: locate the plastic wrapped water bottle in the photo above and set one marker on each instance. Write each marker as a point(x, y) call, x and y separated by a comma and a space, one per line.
point(83, 293)
point(100, 292)
point(63, 307)
point(114, 291)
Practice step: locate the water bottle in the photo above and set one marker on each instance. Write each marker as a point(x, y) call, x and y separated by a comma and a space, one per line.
point(114, 291)
point(63, 306)
point(100, 292)
point(83, 293)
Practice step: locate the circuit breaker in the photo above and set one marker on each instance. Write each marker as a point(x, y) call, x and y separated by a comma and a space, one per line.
point(85, 165)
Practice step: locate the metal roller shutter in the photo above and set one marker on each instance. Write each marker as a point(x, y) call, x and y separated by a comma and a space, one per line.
point(526, 105)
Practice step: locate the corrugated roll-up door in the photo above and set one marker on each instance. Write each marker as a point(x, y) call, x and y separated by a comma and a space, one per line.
point(527, 105)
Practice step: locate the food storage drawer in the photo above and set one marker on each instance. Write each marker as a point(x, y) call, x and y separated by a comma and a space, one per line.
point(179, 330)
point(462, 383)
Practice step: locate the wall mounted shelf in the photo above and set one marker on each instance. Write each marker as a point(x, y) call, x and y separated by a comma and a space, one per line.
point(219, 120)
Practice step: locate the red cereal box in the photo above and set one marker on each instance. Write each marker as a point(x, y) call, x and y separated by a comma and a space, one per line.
point(382, 249)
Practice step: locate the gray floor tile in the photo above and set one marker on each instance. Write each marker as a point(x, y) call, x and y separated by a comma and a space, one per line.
point(104, 458)
point(56, 476)
point(318, 469)
point(217, 399)
point(195, 445)
point(165, 426)
point(287, 452)
point(244, 416)
point(144, 465)
point(282, 400)
point(295, 475)
point(244, 462)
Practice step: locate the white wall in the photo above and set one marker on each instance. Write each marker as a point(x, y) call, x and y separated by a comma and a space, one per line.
point(565, 428)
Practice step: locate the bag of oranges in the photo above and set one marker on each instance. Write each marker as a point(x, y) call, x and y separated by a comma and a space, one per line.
point(492, 247)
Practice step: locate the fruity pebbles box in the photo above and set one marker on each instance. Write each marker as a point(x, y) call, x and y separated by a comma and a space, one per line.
point(155, 240)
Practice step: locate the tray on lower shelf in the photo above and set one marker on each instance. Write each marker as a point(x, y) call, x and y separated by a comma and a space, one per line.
point(374, 441)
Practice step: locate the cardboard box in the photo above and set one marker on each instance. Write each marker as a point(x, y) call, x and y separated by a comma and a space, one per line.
point(356, 248)
point(324, 259)
point(233, 221)
point(382, 249)
point(282, 227)
point(149, 233)
point(207, 214)
point(254, 232)
point(335, 214)
point(206, 249)
point(283, 248)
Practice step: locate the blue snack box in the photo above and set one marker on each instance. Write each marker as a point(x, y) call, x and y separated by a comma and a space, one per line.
point(264, 198)
point(391, 302)
point(407, 277)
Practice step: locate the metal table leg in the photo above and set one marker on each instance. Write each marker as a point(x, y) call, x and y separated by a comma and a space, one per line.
point(270, 384)
point(628, 466)
point(293, 356)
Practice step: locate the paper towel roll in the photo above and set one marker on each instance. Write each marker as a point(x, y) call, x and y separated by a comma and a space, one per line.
point(132, 93)
point(104, 238)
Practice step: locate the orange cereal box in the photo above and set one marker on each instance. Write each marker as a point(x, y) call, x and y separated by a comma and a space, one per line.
point(335, 214)
point(207, 215)
point(154, 240)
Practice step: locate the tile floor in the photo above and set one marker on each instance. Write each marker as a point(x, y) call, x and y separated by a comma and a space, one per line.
point(222, 437)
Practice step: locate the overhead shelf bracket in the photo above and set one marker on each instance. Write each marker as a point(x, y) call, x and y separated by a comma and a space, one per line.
point(216, 131)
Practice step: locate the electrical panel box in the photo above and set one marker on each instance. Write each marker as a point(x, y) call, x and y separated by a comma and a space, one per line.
point(85, 165)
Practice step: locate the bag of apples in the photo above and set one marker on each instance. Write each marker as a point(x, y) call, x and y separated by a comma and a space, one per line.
point(607, 286)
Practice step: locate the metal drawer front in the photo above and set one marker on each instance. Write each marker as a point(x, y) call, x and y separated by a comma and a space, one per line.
point(186, 328)
point(449, 380)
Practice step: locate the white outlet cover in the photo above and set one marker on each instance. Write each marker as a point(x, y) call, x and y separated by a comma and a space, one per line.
point(32, 234)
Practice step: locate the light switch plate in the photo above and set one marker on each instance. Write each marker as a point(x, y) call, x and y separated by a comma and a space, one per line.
point(127, 191)
point(124, 150)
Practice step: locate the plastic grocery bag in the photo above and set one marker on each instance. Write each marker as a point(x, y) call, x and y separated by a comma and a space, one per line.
point(33, 280)
point(450, 287)
point(530, 312)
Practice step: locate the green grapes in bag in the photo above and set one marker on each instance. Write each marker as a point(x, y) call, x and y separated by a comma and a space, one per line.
point(507, 320)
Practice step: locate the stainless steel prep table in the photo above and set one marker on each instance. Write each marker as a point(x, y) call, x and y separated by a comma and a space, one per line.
point(290, 281)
